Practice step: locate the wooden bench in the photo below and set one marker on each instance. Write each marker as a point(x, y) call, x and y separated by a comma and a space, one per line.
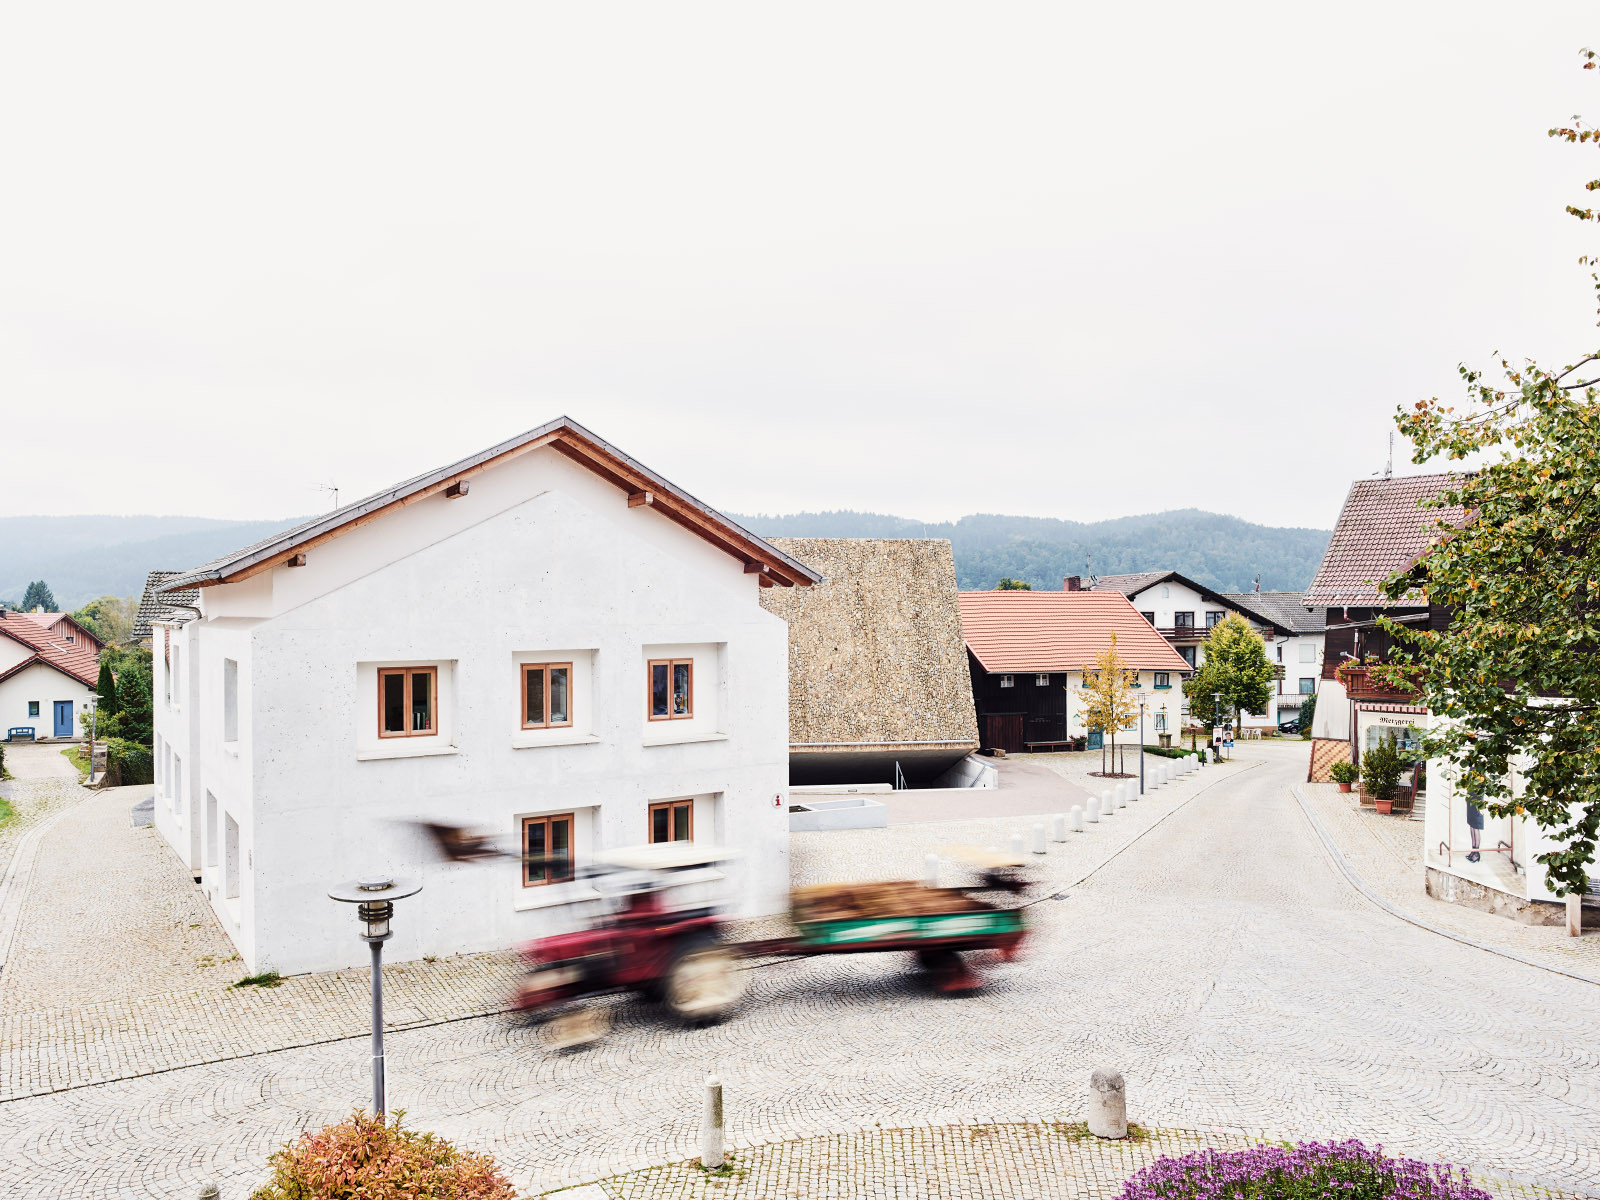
point(19, 733)
point(1064, 744)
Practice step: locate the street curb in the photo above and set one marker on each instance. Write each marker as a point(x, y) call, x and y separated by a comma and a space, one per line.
point(1361, 885)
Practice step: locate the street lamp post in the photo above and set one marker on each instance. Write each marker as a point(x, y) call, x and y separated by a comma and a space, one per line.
point(1141, 743)
point(1216, 712)
point(374, 898)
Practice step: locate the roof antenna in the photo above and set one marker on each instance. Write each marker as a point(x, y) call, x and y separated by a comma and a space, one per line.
point(330, 488)
point(1388, 467)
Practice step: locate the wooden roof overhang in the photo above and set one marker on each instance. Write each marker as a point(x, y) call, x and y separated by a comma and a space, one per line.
point(644, 489)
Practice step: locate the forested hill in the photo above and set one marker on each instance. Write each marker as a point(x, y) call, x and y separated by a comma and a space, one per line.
point(1221, 552)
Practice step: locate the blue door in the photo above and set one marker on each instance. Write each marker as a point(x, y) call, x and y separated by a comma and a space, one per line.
point(63, 718)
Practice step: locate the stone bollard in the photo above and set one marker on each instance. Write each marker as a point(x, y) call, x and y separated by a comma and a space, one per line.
point(1119, 795)
point(1108, 1104)
point(711, 1125)
point(1092, 813)
point(1574, 914)
point(1058, 827)
point(1016, 845)
point(1038, 840)
point(930, 870)
point(209, 1192)
point(1077, 819)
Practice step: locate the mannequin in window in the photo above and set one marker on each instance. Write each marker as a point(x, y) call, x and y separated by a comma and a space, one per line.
point(1474, 823)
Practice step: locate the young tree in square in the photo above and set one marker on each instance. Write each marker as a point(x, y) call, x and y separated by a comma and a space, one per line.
point(1237, 666)
point(1514, 678)
point(1107, 694)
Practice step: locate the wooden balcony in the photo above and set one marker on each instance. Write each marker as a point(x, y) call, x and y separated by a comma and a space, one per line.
point(1193, 635)
point(1359, 684)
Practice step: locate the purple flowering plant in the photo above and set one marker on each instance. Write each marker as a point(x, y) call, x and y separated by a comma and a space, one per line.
point(1307, 1171)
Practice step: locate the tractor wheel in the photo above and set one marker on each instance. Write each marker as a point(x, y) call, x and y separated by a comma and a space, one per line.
point(946, 971)
point(703, 983)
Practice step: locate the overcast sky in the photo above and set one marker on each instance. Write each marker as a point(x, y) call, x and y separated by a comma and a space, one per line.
point(1062, 260)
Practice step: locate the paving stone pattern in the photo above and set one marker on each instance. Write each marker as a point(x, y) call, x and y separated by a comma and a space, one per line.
point(1029, 1161)
point(1220, 961)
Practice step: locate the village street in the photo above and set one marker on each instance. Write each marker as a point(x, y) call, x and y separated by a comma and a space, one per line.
point(1221, 961)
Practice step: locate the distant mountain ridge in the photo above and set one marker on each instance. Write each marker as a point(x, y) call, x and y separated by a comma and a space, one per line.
point(84, 557)
point(1222, 552)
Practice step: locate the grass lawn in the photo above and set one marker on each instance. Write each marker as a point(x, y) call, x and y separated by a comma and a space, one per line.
point(74, 755)
point(6, 813)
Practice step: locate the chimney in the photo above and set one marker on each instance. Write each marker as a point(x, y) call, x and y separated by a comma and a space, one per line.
point(1072, 583)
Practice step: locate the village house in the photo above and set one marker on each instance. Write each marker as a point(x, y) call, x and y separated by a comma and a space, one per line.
point(49, 670)
point(1184, 613)
point(545, 641)
point(1028, 650)
point(878, 685)
point(155, 604)
point(1297, 654)
point(1381, 531)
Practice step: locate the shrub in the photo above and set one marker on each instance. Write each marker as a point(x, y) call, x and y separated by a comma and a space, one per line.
point(368, 1158)
point(1380, 769)
point(1308, 1171)
point(1308, 712)
point(1343, 772)
point(129, 762)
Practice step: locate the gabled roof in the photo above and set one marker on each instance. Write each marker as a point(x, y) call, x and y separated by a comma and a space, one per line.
point(52, 620)
point(1282, 608)
point(80, 660)
point(1380, 531)
point(1060, 631)
point(156, 604)
point(1132, 585)
point(644, 487)
point(875, 650)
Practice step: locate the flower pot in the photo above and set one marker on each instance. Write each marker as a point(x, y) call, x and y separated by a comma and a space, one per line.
point(1344, 787)
point(1385, 807)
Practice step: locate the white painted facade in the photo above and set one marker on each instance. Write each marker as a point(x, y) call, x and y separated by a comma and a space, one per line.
point(1163, 705)
point(28, 698)
point(543, 561)
point(1301, 657)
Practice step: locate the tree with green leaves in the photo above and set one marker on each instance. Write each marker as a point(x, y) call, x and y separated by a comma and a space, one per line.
point(1513, 681)
point(1107, 694)
point(1236, 665)
point(106, 688)
point(1013, 585)
point(38, 596)
point(109, 618)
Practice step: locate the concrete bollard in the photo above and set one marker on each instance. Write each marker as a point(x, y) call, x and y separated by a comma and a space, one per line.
point(1119, 795)
point(711, 1125)
point(1092, 813)
point(1574, 914)
point(1038, 840)
point(1108, 1104)
point(1016, 845)
point(209, 1192)
point(1058, 827)
point(1077, 819)
point(930, 870)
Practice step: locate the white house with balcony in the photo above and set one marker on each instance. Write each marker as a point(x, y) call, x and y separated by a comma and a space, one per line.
point(545, 641)
point(1184, 611)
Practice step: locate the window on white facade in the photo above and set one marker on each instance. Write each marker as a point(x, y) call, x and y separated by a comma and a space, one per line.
point(546, 695)
point(177, 780)
point(671, 682)
point(1150, 616)
point(1308, 686)
point(1163, 679)
point(1188, 655)
point(230, 859)
point(1280, 651)
point(230, 700)
point(1161, 720)
point(1308, 652)
point(672, 821)
point(1007, 681)
point(1183, 620)
point(1212, 618)
point(33, 708)
point(176, 686)
point(408, 702)
point(547, 850)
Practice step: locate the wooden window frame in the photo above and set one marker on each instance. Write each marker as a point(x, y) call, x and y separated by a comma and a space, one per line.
point(572, 847)
point(433, 708)
point(671, 664)
point(522, 694)
point(1183, 620)
point(671, 806)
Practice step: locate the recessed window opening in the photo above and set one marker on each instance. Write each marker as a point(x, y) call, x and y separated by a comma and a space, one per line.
point(408, 701)
point(671, 682)
point(546, 695)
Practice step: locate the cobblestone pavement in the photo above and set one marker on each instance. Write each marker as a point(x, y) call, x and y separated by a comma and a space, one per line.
point(1386, 852)
point(43, 783)
point(1220, 960)
point(1032, 1161)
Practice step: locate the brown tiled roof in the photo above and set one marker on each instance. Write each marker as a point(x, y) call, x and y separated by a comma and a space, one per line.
point(79, 658)
point(1060, 631)
point(875, 649)
point(1380, 531)
point(1281, 608)
point(1129, 585)
point(156, 605)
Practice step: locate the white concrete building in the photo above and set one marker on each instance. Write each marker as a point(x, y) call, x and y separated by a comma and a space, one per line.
point(49, 669)
point(1297, 654)
point(1184, 611)
point(545, 641)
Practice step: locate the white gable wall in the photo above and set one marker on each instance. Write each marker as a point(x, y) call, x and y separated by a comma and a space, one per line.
point(45, 685)
point(474, 585)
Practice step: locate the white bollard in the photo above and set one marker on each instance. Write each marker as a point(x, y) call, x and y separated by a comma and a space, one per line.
point(1108, 1104)
point(1016, 845)
point(930, 870)
point(1058, 827)
point(1077, 819)
point(1119, 795)
point(1038, 840)
point(1574, 914)
point(1092, 813)
point(711, 1125)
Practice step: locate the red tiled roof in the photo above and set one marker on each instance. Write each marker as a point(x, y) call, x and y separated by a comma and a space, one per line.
point(1380, 531)
point(79, 659)
point(1060, 631)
